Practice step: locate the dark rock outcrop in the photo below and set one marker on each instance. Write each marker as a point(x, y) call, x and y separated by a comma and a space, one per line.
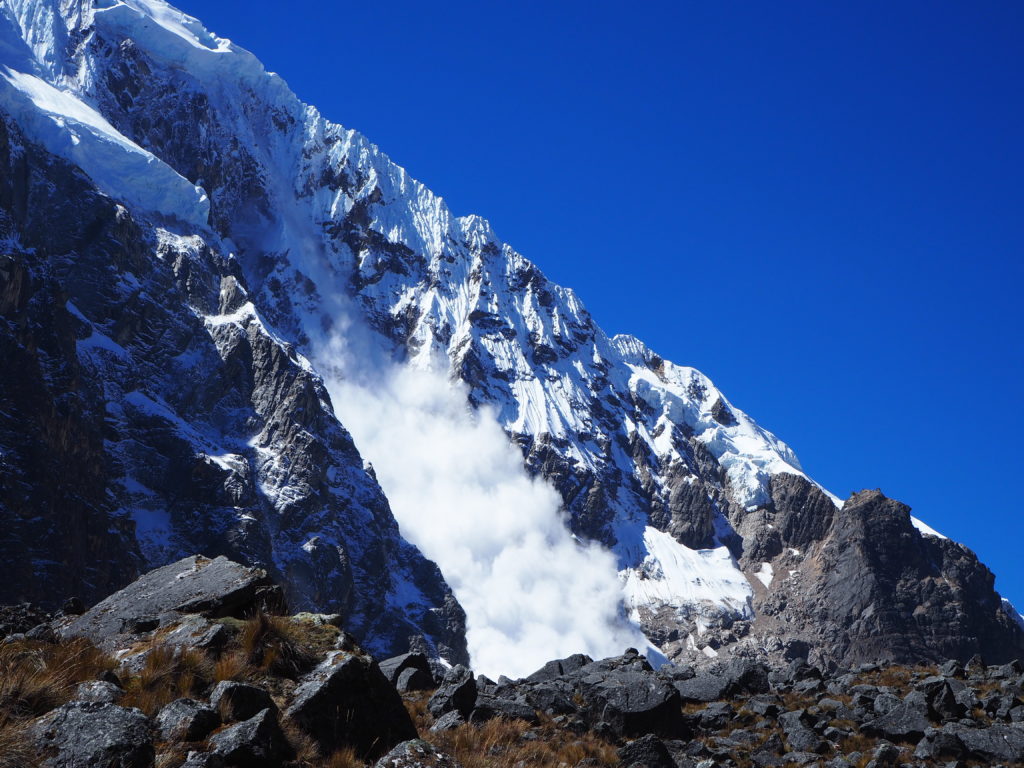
point(240, 701)
point(347, 702)
point(96, 735)
point(257, 742)
point(457, 693)
point(646, 752)
point(187, 720)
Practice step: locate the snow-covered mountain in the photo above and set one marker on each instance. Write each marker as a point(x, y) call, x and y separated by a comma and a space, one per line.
point(259, 237)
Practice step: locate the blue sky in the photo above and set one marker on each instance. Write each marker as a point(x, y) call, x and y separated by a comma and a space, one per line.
point(819, 205)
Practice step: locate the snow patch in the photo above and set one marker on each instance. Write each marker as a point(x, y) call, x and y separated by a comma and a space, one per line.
point(675, 575)
point(71, 129)
point(765, 574)
point(927, 530)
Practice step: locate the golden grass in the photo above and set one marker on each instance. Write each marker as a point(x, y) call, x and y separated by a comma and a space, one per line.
point(16, 749)
point(277, 646)
point(501, 743)
point(168, 674)
point(37, 677)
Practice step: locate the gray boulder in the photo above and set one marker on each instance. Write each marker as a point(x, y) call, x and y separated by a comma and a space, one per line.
point(257, 742)
point(703, 686)
point(634, 704)
point(396, 665)
point(347, 702)
point(939, 743)
point(646, 752)
point(997, 743)
point(186, 720)
point(448, 721)
point(240, 701)
point(416, 753)
point(489, 707)
point(560, 668)
point(414, 680)
point(193, 585)
point(457, 692)
point(904, 723)
point(98, 692)
point(203, 760)
point(97, 735)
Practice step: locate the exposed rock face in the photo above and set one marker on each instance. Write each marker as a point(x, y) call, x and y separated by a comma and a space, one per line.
point(141, 420)
point(867, 585)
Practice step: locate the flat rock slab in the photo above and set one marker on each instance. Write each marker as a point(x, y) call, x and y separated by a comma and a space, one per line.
point(193, 585)
point(97, 735)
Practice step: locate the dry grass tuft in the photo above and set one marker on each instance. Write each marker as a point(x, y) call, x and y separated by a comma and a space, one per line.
point(37, 677)
point(501, 743)
point(343, 758)
point(231, 666)
point(275, 645)
point(16, 749)
point(168, 674)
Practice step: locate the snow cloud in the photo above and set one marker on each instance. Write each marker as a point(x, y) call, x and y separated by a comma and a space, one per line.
point(459, 491)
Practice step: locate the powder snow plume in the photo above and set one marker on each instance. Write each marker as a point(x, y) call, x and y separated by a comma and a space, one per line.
point(531, 591)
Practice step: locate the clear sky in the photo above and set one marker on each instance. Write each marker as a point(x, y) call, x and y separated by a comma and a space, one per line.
point(819, 205)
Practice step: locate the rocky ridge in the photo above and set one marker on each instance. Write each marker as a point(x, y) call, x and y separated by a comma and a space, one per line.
point(265, 691)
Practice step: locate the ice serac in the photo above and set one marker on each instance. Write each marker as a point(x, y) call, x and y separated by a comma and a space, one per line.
point(313, 234)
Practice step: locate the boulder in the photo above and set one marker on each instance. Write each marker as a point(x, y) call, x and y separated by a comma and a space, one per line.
point(98, 692)
point(715, 716)
point(489, 707)
point(634, 703)
point(414, 680)
point(347, 702)
point(448, 721)
point(257, 742)
point(560, 668)
point(939, 743)
point(187, 720)
point(416, 753)
point(554, 698)
point(195, 631)
point(196, 584)
point(997, 743)
point(203, 760)
point(98, 735)
point(457, 692)
point(646, 752)
point(703, 686)
point(746, 676)
point(240, 701)
point(904, 723)
point(415, 662)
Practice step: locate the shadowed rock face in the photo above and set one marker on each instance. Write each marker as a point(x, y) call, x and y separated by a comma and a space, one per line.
point(147, 413)
point(903, 596)
point(868, 585)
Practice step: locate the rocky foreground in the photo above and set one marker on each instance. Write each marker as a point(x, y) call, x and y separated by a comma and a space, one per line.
point(195, 664)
